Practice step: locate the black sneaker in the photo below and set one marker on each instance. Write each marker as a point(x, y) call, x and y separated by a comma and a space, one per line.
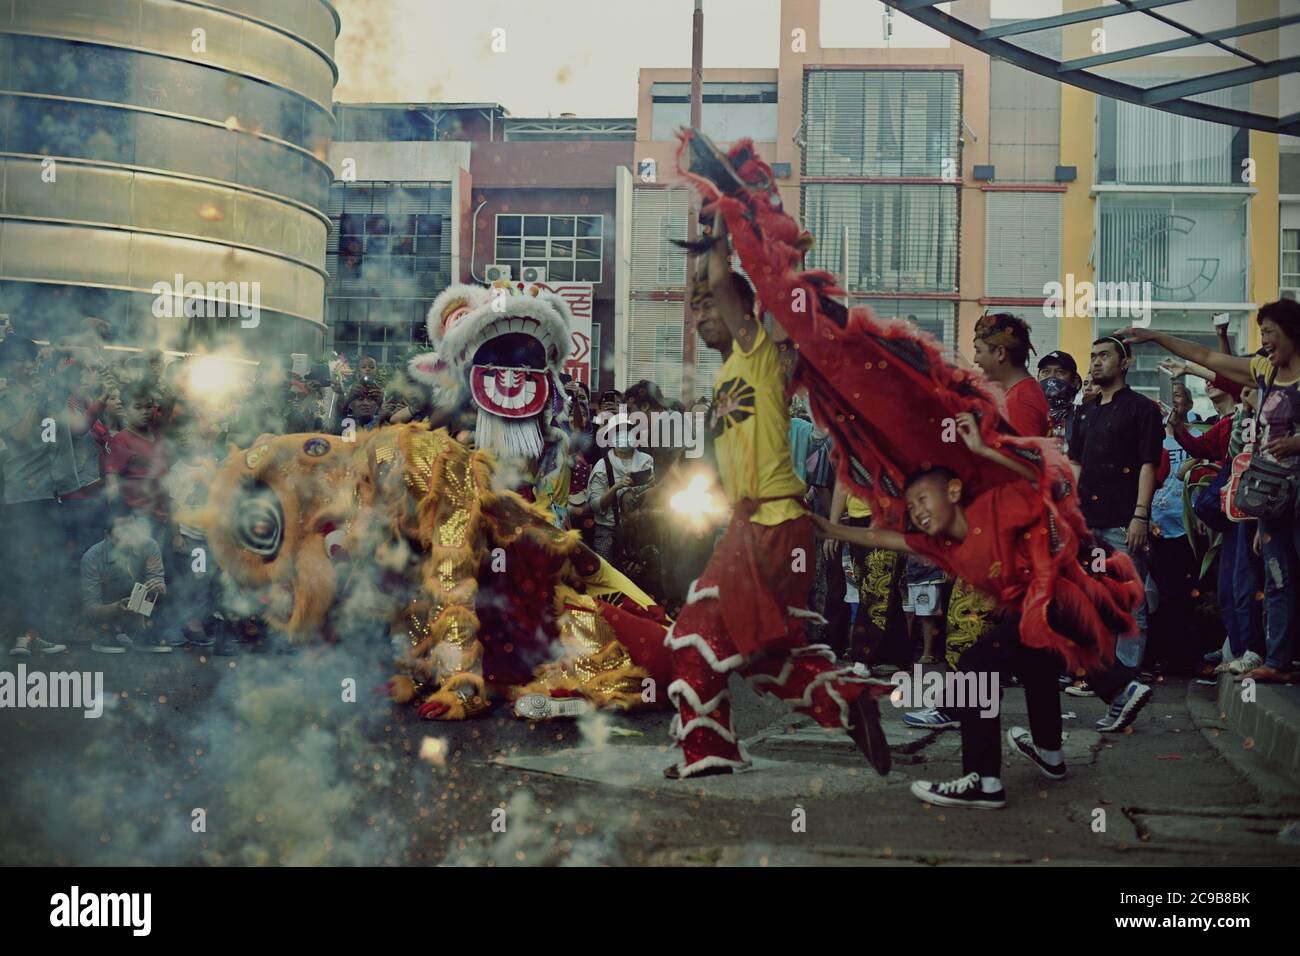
point(674, 772)
point(865, 729)
point(962, 792)
point(1022, 741)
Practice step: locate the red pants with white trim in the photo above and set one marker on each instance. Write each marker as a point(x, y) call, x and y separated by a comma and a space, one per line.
point(704, 654)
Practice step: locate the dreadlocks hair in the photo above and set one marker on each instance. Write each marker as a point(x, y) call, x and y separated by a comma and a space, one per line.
point(1009, 331)
point(700, 294)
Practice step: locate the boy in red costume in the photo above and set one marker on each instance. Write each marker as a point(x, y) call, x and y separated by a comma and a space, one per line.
point(746, 612)
point(985, 542)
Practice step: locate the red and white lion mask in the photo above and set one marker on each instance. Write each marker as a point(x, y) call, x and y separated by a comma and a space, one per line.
point(506, 343)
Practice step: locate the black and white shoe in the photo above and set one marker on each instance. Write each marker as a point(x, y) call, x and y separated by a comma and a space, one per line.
point(962, 792)
point(865, 729)
point(1022, 742)
point(1125, 707)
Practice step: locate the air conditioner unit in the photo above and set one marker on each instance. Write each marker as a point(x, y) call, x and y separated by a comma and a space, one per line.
point(495, 272)
point(533, 274)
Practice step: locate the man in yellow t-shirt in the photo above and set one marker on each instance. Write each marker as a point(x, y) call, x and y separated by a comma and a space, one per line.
point(746, 612)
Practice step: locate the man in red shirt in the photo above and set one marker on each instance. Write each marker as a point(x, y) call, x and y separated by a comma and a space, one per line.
point(1002, 352)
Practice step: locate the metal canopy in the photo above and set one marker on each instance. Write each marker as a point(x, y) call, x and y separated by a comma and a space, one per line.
point(1227, 61)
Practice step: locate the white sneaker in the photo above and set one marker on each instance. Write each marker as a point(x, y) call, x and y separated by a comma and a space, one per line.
point(24, 646)
point(541, 707)
point(1246, 662)
point(120, 644)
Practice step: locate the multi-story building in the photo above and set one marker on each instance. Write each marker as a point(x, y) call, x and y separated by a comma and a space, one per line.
point(654, 205)
point(940, 184)
point(1289, 216)
point(401, 181)
point(1185, 208)
point(431, 194)
point(147, 142)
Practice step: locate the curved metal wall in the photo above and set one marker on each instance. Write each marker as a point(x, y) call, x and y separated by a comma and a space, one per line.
point(145, 139)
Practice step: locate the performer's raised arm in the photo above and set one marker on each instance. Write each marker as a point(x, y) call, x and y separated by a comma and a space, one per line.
point(969, 431)
point(739, 320)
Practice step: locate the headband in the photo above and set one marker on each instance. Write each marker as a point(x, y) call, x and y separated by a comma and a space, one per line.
point(991, 329)
point(1123, 346)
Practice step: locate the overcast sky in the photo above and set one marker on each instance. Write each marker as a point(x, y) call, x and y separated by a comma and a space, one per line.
point(561, 56)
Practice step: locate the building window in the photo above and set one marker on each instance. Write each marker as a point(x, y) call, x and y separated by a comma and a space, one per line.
point(387, 330)
point(901, 238)
point(1190, 248)
point(935, 316)
point(384, 124)
point(569, 248)
point(390, 239)
point(1290, 277)
point(1023, 243)
point(728, 111)
point(882, 123)
point(594, 384)
point(1138, 145)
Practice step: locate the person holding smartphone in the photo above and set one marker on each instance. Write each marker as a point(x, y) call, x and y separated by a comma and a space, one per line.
point(619, 468)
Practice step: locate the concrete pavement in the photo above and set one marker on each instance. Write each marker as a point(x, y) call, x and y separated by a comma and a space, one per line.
point(285, 771)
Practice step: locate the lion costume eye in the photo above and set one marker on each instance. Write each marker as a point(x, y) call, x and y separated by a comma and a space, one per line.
point(334, 544)
point(259, 525)
point(454, 313)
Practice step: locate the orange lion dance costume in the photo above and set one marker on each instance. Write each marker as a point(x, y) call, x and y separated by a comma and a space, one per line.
point(403, 530)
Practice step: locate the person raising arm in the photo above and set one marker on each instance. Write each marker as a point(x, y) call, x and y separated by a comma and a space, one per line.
point(1278, 365)
point(1236, 368)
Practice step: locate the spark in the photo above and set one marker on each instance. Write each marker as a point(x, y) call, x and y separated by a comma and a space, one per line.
point(697, 502)
point(434, 750)
point(211, 378)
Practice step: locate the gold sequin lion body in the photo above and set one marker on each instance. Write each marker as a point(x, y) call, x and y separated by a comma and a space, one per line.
point(402, 530)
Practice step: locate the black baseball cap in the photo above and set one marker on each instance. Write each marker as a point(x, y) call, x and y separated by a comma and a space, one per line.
point(1063, 359)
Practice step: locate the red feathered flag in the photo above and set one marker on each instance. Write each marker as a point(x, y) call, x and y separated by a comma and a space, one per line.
point(885, 392)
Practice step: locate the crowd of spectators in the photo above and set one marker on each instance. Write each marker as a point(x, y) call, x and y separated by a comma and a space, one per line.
point(102, 451)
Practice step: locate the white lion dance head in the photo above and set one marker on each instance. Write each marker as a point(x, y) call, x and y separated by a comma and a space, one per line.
point(507, 344)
